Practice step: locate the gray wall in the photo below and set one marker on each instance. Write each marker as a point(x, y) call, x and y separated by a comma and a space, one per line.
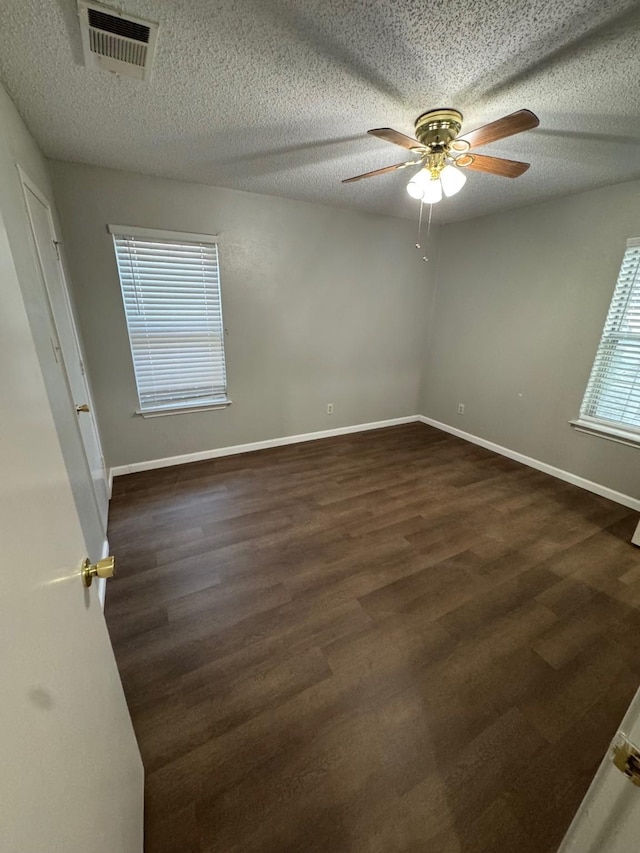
point(520, 304)
point(321, 305)
point(17, 147)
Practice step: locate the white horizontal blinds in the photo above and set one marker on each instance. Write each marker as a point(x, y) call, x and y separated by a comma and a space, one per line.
point(171, 293)
point(613, 392)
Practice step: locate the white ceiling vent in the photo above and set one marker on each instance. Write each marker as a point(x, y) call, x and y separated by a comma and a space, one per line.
point(116, 42)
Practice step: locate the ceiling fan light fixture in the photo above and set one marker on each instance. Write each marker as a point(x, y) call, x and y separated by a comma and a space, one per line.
point(437, 142)
point(452, 180)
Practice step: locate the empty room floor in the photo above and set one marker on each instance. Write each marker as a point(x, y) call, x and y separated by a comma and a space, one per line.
point(388, 641)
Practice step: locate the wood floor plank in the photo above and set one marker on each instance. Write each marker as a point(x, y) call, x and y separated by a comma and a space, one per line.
point(375, 643)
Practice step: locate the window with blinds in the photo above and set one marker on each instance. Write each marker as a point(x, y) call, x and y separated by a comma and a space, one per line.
point(612, 398)
point(171, 292)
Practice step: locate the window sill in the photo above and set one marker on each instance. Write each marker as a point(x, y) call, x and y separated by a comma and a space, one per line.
point(183, 410)
point(611, 433)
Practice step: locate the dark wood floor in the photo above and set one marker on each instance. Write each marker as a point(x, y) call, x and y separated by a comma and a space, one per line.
point(391, 641)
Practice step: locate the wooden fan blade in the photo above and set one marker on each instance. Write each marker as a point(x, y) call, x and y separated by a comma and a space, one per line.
point(379, 172)
point(508, 125)
point(493, 165)
point(390, 135)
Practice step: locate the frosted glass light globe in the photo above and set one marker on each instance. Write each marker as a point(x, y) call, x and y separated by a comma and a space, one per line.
point(432, 192)
point(416, 185)
point(452, 179)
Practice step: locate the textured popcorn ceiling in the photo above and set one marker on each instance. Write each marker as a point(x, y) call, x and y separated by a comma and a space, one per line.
point(276, 96)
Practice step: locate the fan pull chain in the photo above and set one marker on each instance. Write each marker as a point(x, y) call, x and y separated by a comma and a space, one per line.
point(419, 224)
point(418, 244)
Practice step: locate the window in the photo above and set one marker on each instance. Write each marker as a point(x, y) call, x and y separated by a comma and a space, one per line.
point(611, 403)
point(171, 293)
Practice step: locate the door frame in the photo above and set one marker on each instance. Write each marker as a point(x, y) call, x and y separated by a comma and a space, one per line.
point(72, 775)
point(28, 185)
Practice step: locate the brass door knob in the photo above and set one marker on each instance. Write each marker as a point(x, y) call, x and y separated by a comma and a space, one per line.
point(102, 569)
point(82, 408)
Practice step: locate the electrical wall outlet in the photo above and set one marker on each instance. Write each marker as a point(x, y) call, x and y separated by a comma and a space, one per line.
point(461, 408)
point(329, 408)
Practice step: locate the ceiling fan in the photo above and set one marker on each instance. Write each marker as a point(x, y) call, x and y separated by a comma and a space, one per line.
point(441, 153)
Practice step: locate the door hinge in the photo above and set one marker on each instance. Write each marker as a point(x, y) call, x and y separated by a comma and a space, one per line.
point(626, 757)
point(56, 246)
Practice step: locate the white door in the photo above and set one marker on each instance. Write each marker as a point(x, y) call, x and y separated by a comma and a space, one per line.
point(608, 821)
point(65, 338)
point(71, 779)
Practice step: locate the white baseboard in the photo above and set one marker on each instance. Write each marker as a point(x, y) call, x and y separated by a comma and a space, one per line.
point(101, 583)
point(567, 476)
point(168, 461)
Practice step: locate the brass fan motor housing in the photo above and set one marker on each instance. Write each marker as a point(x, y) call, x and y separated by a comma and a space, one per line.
point(437, 129)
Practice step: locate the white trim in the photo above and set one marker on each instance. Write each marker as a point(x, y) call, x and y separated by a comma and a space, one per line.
point(168, 461)
point(559, 473)
point(567, 476)
point(133, 231)
point(601, 429)
point(27, 184)
point(44, 201)
point(110, 482)
point(635, 539)
point(101, 583)
point(181, 410)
